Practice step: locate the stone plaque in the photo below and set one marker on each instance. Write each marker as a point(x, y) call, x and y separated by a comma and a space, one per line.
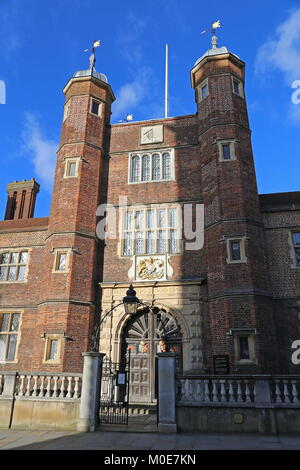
point(221, 365)
point(238, 418)
point(152, 134)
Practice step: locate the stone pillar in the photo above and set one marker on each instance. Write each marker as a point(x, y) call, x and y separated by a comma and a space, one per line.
point(266, 416)
point(7, 399)
point(9, 384)
point(90, 394)
point(166, 392)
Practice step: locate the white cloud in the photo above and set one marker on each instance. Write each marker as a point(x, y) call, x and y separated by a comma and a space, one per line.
point(132, 94)
point(141, 94)
point(138, 94)
point(282, 52)
point(42, 152)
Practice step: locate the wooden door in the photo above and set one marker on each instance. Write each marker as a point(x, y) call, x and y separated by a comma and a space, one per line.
point(145, 335)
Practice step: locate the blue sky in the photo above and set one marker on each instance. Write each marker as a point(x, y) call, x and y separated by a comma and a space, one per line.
point(42, 43)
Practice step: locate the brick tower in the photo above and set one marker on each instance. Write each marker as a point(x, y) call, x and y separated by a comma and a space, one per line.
point(66, 315)
point(239, 318)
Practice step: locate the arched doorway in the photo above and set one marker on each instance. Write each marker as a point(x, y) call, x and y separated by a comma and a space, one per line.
point(145, 335)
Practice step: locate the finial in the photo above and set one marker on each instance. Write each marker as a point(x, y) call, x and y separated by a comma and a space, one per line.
point(92, 57)
point(214, 39)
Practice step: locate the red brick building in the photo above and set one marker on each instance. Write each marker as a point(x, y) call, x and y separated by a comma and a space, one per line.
point(191, 233)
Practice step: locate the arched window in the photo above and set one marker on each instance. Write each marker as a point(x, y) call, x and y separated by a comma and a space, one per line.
point(166, 166)
point(155, 167)
point(146, 168)
point(135, 169)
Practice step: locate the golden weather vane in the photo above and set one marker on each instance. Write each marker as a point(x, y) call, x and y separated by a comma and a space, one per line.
point(214, 26)
point(92, 57)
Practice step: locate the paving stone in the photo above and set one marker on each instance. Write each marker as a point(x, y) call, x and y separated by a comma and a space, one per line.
point(24, 440)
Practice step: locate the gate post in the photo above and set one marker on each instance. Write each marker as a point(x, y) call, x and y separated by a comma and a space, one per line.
point(90, 393)
point(166, 392)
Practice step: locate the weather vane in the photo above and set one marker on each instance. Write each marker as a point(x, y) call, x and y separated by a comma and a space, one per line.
point(128, 118)
point(92, 57)
point(214, 26)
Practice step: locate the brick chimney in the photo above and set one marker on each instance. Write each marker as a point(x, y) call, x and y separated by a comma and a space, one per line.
point(21, 199)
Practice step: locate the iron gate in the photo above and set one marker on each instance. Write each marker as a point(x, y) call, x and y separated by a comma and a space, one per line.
point(114, 398)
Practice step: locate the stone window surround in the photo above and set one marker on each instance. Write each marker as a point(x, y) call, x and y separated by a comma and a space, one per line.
point(66, 110)
point(250, 333)
point(241, 86)
point(232, 143)
point(151, 152)
point(57, 252)
point(48, 337)
point(241, 239)
point(99, 109)
point(199, 90)
point(68, 160)
point(13, 250)
point(292, 248)
point(145, 207)
point(11, 311)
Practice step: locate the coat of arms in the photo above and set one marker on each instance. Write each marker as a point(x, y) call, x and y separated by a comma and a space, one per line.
point(151, 268)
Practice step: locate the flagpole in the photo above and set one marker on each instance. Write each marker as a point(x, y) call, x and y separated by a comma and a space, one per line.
point(166, 82)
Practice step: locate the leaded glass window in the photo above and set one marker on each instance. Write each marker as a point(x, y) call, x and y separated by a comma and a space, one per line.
point(151, 167)
point(235, 250)
point(135, 169)
point(156, 166)
point(53, 349)
point(13, 266)
point(146, 168)
point(9, 328)
point(296, 242)
point(150, 231)
point(62, 262)
point(166, 166)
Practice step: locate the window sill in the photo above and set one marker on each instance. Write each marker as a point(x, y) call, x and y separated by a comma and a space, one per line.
point(238, 94)
point(52, 361)
point(236, 262)
point(150, 254)
point(203, 99)
point(152, 181)
point(9, 362)
point(227, 159)
point(14, 282)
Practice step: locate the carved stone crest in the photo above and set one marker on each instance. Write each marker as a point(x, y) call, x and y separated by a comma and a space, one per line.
point(151, 268)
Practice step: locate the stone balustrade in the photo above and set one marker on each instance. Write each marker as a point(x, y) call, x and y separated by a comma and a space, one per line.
point(46, 386)
point(61, 386)
point(285, 389)
point(237, 390)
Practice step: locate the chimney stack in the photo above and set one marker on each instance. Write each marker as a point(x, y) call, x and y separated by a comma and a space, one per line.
point(21, 199)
